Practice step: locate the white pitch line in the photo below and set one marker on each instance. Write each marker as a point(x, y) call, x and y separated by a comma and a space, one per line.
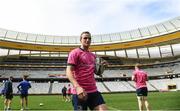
point(113, 108)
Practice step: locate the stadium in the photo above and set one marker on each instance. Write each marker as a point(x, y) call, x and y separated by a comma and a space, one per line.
point(44, 58)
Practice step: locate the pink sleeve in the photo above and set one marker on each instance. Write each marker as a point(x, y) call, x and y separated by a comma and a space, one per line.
point(72, 58)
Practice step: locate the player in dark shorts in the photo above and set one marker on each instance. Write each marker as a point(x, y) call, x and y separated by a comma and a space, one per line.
point(8, 93)
point(80, 71)
point(140, 77)
point(23, 88)
point(64, 93)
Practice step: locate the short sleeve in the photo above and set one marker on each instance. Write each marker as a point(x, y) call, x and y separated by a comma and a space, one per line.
point(72, 58)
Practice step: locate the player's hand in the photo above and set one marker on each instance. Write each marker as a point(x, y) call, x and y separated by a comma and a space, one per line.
point(105, 63)
point(82, 95)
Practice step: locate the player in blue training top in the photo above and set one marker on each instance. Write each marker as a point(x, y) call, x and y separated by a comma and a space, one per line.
point(23, 88)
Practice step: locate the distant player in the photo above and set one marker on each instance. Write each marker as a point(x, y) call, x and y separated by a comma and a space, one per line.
point(69, 93)
point(80, 72)
point(64, 93)
point(8, 93)
point(140, 77)
point(23, 88)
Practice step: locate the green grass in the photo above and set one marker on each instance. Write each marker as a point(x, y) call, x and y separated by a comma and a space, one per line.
point(157, 101)
point(118, 101)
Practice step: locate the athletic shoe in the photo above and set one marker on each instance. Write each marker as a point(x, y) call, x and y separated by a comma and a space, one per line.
point(8, 109)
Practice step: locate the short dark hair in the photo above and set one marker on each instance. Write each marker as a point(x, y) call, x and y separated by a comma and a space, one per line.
point(85, 32)
point(137, 65)
point(11, 77)
point(25, 77)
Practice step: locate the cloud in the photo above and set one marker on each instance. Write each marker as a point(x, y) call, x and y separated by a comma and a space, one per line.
point(71, 17)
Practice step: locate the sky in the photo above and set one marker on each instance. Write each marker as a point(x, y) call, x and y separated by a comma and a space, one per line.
point(71, 17)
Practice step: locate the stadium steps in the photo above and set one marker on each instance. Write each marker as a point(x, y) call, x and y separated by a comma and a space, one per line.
point(50, 88)
point(106, 87)
point(152, 85)
point(128, 85)
point(131, 85)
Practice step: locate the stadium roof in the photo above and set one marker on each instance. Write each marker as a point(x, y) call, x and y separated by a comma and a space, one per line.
point(159, 40)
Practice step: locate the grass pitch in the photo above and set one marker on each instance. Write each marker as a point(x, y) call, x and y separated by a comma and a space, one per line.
point(117, 101)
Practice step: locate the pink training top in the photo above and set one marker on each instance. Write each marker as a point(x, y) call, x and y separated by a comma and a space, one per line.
point(84, 66)
point(69, 90)
point(140, 78)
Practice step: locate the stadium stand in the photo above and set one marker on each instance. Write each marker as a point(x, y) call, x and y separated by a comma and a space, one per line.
point(43, 58)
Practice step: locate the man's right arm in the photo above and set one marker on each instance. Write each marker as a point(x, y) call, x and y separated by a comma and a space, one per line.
point(132, 78)
point(69, 74)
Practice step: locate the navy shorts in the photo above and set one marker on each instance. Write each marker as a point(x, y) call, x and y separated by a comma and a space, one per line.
point(23, 95)
point(9, 96)
point(69, 94)
point(64, 94)
point(142, 91)
point(94, 99)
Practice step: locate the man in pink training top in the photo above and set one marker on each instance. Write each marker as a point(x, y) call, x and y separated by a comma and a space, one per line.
point(140, 77)
point(80, 72)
